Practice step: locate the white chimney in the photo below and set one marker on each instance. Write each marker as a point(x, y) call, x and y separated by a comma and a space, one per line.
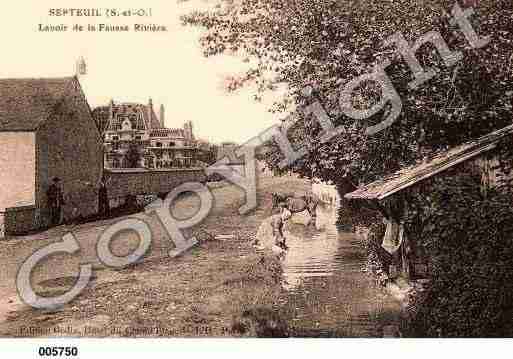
point(80, 67)
point(162, 115)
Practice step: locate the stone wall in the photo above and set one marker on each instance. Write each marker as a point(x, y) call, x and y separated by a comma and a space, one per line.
point(20, 220)
point(121, 183)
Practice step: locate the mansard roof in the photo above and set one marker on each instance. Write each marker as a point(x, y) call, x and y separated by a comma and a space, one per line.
point(143, 117)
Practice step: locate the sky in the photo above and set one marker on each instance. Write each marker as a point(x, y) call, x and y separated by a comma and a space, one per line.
point(132, 67)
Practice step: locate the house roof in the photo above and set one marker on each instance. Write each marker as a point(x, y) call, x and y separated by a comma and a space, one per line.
point(440, 162)
point(26, 103)
point(142, 116)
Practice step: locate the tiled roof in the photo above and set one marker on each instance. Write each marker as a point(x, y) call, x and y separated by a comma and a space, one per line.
point(26, 103)
point(137, 113)
point(168, 132)
point(440, 162)
point(154, 122)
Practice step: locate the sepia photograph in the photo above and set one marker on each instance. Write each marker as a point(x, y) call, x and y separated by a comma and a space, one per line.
point(337, 170)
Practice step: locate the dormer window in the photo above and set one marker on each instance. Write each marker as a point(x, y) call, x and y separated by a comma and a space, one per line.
point(126, 125)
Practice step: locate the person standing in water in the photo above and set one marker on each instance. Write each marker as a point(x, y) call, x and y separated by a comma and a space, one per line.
point(277, 224)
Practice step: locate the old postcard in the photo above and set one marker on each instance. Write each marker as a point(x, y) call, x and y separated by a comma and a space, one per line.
point(256, 169)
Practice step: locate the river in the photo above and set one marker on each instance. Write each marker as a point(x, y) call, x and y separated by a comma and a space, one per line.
point(330, 293)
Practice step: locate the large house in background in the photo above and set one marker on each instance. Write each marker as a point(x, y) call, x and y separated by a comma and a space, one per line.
point(46, 131)
point(134, 137)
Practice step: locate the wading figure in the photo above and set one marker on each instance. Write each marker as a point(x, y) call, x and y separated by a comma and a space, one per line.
point(296, 204)
point(277, 224)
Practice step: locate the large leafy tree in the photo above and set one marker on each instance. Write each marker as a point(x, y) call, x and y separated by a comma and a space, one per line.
point(325, 44)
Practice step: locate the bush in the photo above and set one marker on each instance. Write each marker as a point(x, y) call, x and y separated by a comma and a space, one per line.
point(469, 239)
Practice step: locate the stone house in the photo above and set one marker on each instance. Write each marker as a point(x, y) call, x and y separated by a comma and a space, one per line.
point(134, 137)
point(482, 157)
point(46, 131)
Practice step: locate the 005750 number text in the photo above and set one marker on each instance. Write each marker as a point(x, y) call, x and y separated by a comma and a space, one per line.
point(58, 351)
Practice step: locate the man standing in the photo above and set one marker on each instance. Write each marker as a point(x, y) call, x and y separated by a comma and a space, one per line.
point(103, 200)
point(103, 197)
point(55, 201)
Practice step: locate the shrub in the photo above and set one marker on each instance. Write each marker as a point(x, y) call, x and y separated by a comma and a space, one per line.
point(469, 239)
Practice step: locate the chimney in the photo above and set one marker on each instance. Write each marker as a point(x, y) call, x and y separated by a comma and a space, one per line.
point(150, 112)
point(111, 109)
point(80, 67)
point(188, 130)
point(162, 116)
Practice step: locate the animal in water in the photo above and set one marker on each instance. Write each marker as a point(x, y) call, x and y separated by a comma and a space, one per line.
point(296, 204)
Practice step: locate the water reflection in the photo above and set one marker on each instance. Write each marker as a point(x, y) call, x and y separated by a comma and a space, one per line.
point(313, 248)
point(312, 252)
point(329, 293)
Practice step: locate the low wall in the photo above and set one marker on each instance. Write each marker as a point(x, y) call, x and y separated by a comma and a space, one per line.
point(123, 182)
point(120, 183)
point(20, 220)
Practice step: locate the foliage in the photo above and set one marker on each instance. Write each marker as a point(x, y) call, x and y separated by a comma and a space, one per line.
point(207, 152)
point(469, 239)
point(327, 43)
point(133, 156)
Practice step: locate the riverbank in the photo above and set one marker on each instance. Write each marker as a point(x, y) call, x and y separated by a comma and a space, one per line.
point(219, 288)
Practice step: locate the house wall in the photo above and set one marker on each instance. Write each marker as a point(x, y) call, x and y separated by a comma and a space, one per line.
point(18, 168)
point(69, 147)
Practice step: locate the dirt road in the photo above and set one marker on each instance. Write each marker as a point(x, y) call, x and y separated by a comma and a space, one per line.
point(202, 292)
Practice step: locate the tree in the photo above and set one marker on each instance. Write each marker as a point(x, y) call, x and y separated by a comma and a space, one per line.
point(133, 156)
point(327, 43)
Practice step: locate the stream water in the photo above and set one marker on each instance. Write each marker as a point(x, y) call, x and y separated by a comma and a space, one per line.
point(329, 292)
